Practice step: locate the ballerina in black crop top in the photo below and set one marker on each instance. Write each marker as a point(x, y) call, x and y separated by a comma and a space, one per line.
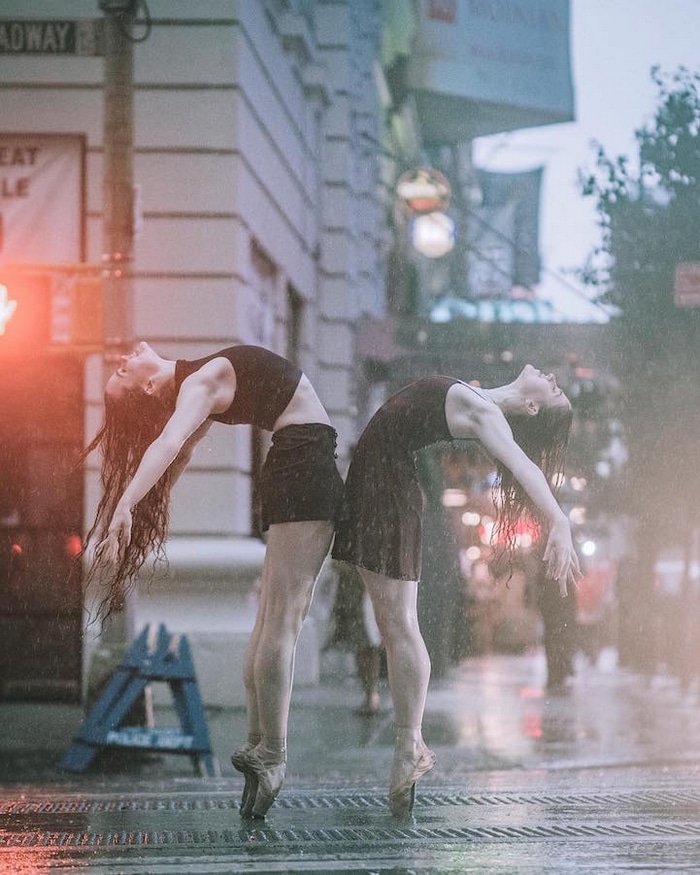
point(156, 411)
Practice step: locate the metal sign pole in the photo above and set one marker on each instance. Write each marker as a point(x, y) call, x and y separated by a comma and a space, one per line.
point(118, 220)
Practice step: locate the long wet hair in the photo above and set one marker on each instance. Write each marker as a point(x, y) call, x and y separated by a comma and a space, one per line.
point(133, 420)
point(544, 438)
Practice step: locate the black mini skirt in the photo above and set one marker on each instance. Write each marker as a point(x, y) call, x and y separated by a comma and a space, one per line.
point(300, 479)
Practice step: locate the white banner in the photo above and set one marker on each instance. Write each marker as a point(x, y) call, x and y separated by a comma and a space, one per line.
point(41, 198)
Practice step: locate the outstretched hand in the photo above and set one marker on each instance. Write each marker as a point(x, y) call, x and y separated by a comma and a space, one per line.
point(118, 536)
point(560, 557)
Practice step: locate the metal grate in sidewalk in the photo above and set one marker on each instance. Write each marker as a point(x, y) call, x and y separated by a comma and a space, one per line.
point(351, 801)
point(344, 836)
point(346, 820)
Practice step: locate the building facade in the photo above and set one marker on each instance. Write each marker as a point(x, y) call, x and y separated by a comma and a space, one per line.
point(257, 219)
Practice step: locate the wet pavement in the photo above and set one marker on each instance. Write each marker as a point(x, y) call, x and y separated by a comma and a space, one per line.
point(603, 779)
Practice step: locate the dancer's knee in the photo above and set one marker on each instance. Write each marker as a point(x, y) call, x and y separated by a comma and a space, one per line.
point(287, 605)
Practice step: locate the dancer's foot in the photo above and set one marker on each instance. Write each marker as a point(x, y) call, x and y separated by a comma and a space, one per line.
point(405, 771)
point(250, 788)
point(269, 769)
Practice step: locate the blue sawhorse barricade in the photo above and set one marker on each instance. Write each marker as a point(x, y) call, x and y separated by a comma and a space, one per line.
point(154, 656)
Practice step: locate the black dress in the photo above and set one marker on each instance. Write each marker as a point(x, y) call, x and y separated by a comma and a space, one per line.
point(381, 524)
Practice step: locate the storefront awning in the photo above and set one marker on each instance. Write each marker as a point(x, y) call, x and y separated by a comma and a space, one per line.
point(477, 67)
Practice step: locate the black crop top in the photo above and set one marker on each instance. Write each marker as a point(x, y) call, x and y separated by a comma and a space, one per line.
point(265, 384)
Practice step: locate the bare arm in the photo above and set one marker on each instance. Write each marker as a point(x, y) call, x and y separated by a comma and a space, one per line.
point(495, 435)
point(184, 457)
point(187, 425)
point(559, 555)
point(484, 421)
point(192, 408)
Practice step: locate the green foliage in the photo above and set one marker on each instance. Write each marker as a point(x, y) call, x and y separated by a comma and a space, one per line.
point(650, 221)
point(670, 150)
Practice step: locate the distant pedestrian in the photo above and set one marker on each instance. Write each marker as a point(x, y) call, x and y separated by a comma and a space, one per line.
point(559, 635)
point(353, 627)
point(524, 426)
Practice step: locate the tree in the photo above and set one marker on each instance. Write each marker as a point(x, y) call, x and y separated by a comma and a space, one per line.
point(650, 222)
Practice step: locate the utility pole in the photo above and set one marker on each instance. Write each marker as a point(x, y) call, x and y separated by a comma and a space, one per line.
point(118, 215)
point(118, 177)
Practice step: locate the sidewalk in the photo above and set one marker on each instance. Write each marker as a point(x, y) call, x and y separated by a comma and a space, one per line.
point(604, 778)
point(488, 713)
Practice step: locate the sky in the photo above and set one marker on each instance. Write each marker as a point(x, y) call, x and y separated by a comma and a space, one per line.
point(614, 45)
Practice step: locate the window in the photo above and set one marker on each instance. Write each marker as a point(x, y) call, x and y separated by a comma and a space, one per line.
point(295, 316)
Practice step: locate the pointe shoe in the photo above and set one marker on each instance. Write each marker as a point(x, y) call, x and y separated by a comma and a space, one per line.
point(250, 788)
point(269, 771)
point(402, 794)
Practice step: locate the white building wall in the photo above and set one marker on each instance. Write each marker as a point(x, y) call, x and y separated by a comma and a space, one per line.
point(248, 131)
point(351, 279)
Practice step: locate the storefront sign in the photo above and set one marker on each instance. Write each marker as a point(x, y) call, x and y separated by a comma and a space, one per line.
point(423, 190)
point(433, 234)
point(41, 197)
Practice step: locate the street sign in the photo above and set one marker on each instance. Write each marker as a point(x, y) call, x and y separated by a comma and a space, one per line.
point(37, 36)
point(686, 288)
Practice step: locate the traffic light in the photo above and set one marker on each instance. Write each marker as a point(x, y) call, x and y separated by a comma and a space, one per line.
point(25, 313)
point(50, 309)
point(7, 308)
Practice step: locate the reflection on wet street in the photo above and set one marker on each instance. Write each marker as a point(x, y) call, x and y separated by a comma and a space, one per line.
point(496, 710)
point(489, 712)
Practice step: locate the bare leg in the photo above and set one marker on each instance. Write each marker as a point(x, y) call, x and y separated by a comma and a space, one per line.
point(252, 716)
point(295, 554)
point(239, 757)
point(293, 559)
point(408, 668)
